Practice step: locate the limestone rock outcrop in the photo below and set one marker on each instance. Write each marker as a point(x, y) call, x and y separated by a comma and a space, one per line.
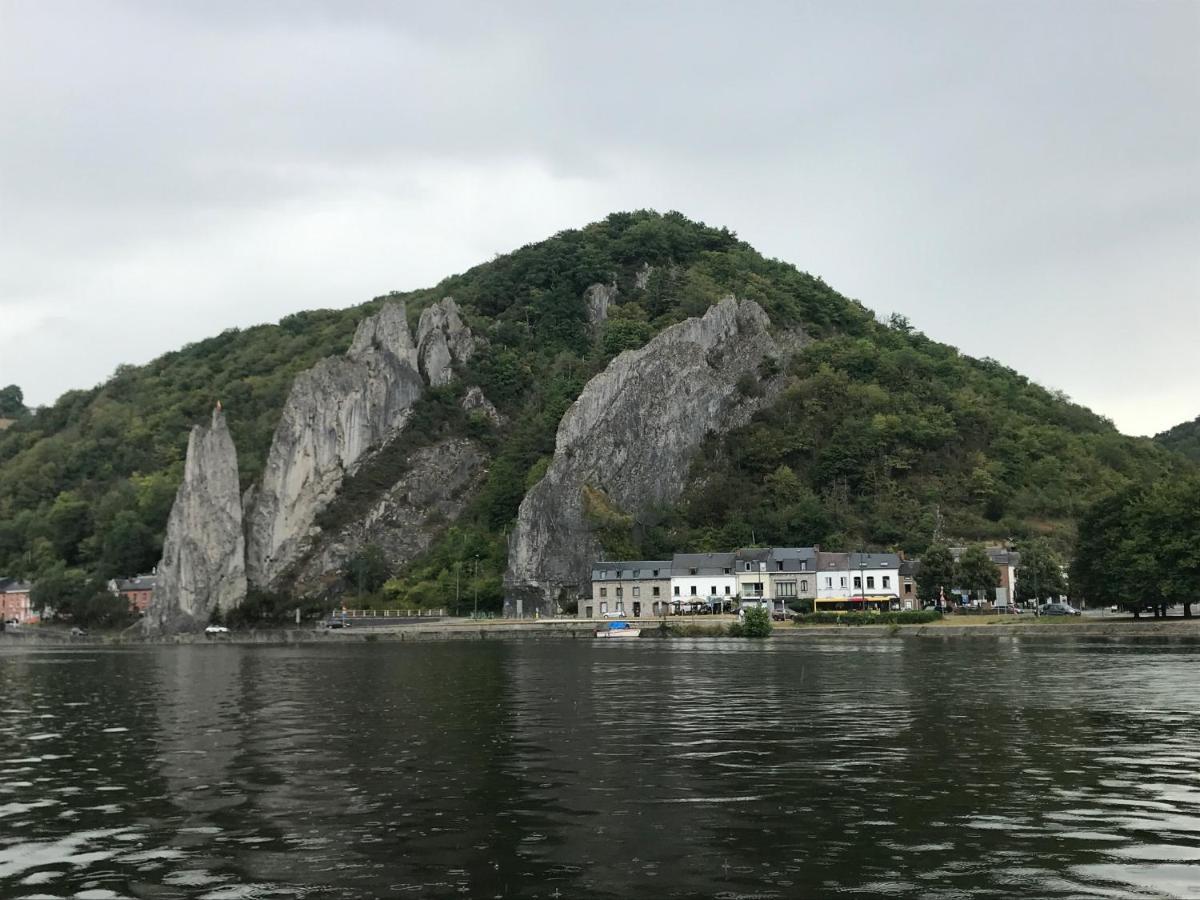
point(335, 412)
point(630, 437)
point(598, 298)
point(437, 483)
point(203, 565)
point(474, 400)
point(443, 339)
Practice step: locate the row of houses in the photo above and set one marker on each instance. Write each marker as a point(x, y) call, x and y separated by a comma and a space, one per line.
point(773, 577)
point(16, 606)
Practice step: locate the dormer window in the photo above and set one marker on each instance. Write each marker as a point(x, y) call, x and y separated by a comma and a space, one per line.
point(656, 573)
point(778, 567)
point(747, 567)
point(726, 571)
point(691, 571)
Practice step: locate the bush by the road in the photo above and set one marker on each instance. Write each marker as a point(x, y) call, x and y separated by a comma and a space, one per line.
point(909, 617)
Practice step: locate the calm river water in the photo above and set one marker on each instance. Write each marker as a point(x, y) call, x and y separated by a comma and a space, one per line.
point(565, 769)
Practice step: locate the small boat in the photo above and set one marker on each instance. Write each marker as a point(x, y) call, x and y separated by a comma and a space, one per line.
point(617, 630)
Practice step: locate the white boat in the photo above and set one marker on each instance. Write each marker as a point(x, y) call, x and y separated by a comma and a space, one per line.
point(617, 630)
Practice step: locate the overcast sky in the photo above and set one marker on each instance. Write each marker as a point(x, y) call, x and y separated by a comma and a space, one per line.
point(1021, 179)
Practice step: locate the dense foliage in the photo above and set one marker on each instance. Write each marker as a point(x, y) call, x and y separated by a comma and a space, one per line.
point(1183, 438)
point(1137, 548)
point(880, 434)
point(1040, 573)
point(902, 617)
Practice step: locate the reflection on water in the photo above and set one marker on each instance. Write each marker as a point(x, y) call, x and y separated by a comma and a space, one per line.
point(690, 768)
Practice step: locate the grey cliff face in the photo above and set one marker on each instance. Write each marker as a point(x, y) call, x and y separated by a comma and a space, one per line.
point(203, 564)
point(437, 483)
point(335, 413)
point(631, 435)
point(599, 297)
point(475, 401)
point(443, 339)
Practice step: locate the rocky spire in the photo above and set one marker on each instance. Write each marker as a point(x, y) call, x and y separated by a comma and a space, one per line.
point(627, 441)
point(443, 339)
point(335, 412)
point(203, 564)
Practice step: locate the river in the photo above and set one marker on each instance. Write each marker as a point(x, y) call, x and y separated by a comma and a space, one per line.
point(563, 769)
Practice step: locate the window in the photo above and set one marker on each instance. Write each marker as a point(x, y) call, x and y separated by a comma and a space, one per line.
point(603, 574)
point(857, 582)
point(887, 581)
point(603, 608)
point(654, 591)
point(907, 586)
point(871, 581)
point(656, 573)
point(843, 581)
point(637, 591)
point(727, 590)
point(677, 590)
point(621, 606)
point(620, 592)
point(693, 590)
point(803, 566)
point(603, 592)
point(778, 567)
point(828, 582)
point(587, 612)
point(786, 588)
point(637, 573)
point(691, 571)
point(712, 591)
point(804, 585)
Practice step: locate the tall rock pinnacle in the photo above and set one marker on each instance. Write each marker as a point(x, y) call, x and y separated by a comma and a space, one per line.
point(203, 565)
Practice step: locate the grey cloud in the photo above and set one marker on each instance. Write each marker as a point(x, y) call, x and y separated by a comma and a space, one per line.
point(1005, 174)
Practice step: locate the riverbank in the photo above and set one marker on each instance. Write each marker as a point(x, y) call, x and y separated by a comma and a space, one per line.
point(575, 629)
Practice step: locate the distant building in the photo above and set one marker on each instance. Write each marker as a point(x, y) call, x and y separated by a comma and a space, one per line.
point(833, 578)
point(701, 580)
point(138, 590)
point(636, 589)
point(908, 584)
point(1006, 561)
point(793, 574)
point(14, 601)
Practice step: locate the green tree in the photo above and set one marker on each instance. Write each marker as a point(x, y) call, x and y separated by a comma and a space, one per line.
point(936, 572)
point(1040, 573)
point(368, 570)
point(976, 572)
point(12, 402)
point(757, 622)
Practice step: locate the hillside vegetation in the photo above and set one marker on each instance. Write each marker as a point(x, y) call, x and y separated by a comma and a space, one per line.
point(1183, 438)
point(882, 437)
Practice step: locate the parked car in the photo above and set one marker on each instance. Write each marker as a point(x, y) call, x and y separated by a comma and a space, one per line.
point(337, 622)
point(216, 629)
point(1060, 609)
point(78, 632)
point(613, 614)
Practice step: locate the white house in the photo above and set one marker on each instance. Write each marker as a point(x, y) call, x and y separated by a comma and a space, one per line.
point(833, 578)
point(702, 579)
point(875, 576)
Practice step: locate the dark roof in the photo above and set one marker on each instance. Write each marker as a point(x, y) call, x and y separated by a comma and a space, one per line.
point(909, 566)
point(752, 554)
point(703, 563)
point(874, 561)
point(14, 586)
point(1001, 556)
point(792, 557)
point(827, 561)
point(624, 568)
point(137, 583)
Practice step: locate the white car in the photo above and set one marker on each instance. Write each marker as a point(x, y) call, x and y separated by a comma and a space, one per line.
point(216, 629)
point(613, 614)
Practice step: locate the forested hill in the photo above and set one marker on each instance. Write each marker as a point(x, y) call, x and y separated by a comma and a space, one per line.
point(1183, 438)
point(882, 437)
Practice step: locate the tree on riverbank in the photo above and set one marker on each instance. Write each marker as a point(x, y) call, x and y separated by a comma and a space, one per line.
point(976, 571)
point(1040, 574)
point(1137, 548)
point(936, 573)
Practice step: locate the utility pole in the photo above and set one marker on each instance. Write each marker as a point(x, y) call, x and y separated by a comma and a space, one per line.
point(457, 592)
point(476, 583)
point(862, 580)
